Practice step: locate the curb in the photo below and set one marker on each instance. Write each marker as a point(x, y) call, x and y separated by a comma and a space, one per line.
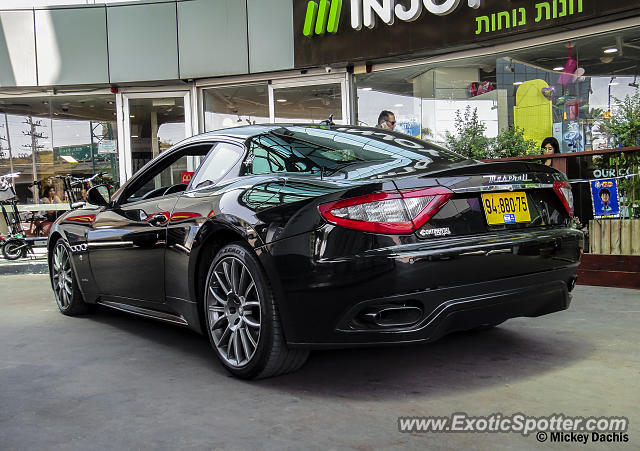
point(24, 267)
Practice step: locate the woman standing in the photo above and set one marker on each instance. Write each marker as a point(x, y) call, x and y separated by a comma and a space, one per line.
point(50, 197)
point(550, 146)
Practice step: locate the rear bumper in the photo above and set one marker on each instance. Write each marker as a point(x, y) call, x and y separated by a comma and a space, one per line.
point(459, 308)
point(456, 285)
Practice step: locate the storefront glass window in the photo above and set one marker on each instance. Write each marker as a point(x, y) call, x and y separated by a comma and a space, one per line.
point(563, 90)
point(566, 90)
point(45, 137)
point(425, 100)
point(232, 106)
point(308, 104)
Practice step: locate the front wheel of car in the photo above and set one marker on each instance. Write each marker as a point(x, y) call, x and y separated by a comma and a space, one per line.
point(242, 318)
point(63, 282)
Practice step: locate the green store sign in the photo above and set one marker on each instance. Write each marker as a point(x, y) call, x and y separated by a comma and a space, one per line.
point(331, 31)
point(323, 16)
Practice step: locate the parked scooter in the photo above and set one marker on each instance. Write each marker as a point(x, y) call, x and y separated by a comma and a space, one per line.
point(19, 241)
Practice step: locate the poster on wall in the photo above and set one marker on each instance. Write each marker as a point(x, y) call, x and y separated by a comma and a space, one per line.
point(573, 137)
point(409, 127)
point(604, 196)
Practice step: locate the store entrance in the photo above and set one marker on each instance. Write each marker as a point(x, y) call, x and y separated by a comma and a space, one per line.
point(153, 123)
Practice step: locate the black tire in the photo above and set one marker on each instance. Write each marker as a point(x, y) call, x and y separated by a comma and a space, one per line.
point(263, 353)
point(64, 282)
point(14, 248)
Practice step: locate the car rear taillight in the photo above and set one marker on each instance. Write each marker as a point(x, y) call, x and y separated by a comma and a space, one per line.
point(394, 213)
point(563, 190)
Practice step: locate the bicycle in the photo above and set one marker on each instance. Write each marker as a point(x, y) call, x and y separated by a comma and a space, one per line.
point(19, 241)
point(7, 198)
point(71, 183)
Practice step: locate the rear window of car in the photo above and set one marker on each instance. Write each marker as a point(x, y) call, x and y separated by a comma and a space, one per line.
point(317, 150)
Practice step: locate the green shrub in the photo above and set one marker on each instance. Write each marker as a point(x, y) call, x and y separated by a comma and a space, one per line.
point(512, 143)
point(470, 141)
point(624, 126)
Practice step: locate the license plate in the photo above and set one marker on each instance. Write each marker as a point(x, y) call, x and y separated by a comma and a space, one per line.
point(506, 208)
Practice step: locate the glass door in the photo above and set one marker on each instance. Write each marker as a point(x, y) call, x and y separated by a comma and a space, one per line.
point(309, 101)
point(153, 122)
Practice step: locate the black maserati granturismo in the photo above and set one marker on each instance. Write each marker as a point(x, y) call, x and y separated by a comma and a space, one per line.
point(276, 239)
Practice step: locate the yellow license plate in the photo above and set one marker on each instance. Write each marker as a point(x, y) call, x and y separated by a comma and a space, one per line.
point(506, 208)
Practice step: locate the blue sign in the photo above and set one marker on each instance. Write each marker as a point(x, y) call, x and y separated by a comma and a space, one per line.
point(604, 195)
point(509, 219)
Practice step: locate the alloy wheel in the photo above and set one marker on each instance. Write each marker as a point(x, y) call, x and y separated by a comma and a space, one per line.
point(62, 276)
point(234, 312)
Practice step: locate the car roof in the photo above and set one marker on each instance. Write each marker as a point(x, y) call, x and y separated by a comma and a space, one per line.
point(235, 133)
point(244, 132)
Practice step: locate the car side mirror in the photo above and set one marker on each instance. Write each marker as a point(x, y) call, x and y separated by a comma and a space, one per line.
point(99, 195)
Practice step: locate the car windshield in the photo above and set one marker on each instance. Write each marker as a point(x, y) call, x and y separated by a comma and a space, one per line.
point(317, 149)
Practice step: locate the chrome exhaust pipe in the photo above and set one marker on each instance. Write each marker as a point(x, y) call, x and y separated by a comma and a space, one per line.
point(393, 315)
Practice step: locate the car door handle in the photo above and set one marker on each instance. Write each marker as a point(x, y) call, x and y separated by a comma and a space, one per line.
point(158, 219)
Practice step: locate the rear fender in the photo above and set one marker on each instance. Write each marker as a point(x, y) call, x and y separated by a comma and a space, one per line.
point(227, 229)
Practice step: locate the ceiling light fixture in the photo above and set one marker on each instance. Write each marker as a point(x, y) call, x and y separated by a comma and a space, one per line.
point(611, 50)
point(281, 100)
point(559, 68)
point(163, 102)
point(366, 89)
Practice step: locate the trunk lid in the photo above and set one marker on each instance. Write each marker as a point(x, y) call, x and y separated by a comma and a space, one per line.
point(473, 185)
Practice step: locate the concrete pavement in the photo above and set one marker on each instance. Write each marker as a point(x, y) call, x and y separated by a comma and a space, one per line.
point(117, 382)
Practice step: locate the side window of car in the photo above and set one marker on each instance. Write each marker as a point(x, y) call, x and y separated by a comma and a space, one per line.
point(220, 161)
point(170, 177)
point(268, 155)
